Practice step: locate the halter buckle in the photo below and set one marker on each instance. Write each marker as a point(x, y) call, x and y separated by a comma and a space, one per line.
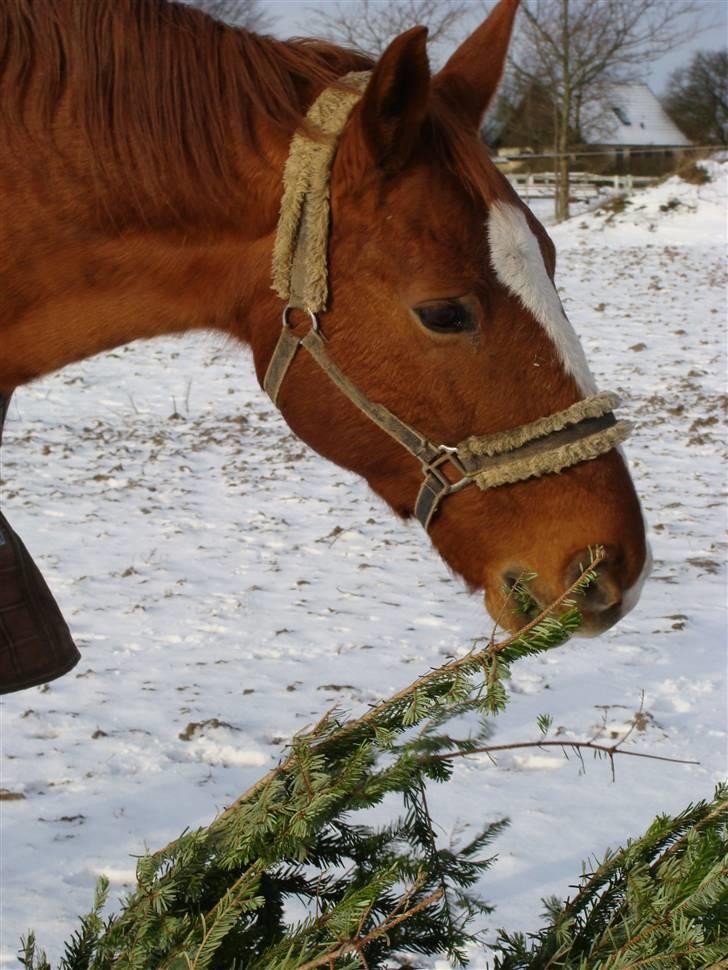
point(436, 485)
point(446, 454)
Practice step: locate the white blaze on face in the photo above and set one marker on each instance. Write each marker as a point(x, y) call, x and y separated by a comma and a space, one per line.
point(518, 262)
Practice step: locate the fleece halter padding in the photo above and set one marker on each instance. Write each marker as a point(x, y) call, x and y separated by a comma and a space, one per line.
point(583, 431)
point(548, 445)
point(300, 269)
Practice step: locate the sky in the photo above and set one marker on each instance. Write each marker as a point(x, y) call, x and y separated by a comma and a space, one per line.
point(710, 31)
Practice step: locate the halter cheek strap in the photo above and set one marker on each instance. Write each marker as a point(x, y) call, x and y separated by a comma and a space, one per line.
point(581, 432)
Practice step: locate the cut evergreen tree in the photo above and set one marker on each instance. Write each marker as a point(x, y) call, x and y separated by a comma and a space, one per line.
point(291, 876)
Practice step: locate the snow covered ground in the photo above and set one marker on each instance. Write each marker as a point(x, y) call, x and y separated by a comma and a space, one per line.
point(226, 586)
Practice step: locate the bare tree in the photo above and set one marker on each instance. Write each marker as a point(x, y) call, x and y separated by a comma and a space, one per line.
point(239, 13)
point(578, 50)
point(697, 97)
point(369, 25)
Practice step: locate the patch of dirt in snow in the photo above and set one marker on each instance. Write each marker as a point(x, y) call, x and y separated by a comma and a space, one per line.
point(225, 585)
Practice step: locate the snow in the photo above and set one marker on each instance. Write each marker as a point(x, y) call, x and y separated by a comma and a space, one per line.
point(226, 586)
point(673, 213)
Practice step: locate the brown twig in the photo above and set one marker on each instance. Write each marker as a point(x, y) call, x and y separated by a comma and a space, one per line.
point(592, 744)
point(608, 749)
point(458, 663)
point(354, 946)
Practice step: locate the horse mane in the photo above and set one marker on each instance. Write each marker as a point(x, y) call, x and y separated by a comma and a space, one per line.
point(163, 96)
point(161, 93)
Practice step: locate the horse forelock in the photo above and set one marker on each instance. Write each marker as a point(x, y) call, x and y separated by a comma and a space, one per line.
point(459, 149)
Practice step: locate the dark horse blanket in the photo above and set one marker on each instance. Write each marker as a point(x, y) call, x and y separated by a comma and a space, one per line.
point(35, 642)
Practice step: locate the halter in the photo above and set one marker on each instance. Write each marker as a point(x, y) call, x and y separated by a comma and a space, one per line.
point(548, 445)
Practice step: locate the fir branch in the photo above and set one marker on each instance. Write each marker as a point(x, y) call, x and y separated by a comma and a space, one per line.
point(356, 945)
point(719, 809)
point(218, 895)
point(584, 579)
point(661, 901)
point(419, 802)
point(461, 664)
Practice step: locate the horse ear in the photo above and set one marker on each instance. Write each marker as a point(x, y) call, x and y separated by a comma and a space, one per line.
point(472, 74)
point(394, 104)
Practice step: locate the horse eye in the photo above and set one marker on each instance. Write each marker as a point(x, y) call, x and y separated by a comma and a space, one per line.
point(448, 316)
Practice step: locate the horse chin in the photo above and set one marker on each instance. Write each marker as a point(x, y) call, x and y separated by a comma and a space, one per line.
point(594, 624)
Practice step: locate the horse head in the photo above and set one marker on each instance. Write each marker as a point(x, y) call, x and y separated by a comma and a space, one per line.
point(442, 308)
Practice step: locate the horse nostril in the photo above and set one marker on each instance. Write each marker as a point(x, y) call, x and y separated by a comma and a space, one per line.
point(517, 579)
point(517, 588)
point(601, 595)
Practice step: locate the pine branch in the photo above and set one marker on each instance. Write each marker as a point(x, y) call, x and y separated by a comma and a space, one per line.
point(469, 662)
point(661, 901)
point(355, 946)
point(218, 895)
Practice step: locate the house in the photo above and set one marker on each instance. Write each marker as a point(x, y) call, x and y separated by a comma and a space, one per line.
point(629, 132)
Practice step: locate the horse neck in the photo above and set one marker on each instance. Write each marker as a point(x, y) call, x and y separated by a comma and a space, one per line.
point(133, 251)
point(99, 287)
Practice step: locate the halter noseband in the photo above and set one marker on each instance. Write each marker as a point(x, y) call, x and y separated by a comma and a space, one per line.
point(583, 431)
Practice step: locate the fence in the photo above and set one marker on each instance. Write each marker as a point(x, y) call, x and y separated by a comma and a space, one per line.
point(586, 186)
point(582, 185)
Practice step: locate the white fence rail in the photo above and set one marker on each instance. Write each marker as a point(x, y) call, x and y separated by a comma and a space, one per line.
point(582, 185)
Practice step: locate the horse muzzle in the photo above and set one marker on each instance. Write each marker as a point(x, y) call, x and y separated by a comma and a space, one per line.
point(602, 603)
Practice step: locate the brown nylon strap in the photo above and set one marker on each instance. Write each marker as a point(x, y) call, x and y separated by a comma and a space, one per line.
point(283, 356)
point(435, 485)
point(503, 442)
point(285, 350)
point(415, 443)
point(433, 490)
point(300, 274)
point(296, 297)
point(585, 429)
point(541, 451)
point(475, 464)
point(522, 460)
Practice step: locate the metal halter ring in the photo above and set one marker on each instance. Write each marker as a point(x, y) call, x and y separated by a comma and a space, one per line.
point(315, 325)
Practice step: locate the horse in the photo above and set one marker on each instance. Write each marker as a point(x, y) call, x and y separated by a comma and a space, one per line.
point(146, 147)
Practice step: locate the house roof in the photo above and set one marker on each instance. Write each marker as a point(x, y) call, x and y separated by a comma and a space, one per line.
point(632, 115)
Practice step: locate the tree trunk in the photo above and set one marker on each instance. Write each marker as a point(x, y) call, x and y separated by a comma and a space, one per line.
point(562, 187)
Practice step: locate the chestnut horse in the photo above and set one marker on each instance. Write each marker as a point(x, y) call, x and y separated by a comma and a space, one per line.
point(140, 183)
